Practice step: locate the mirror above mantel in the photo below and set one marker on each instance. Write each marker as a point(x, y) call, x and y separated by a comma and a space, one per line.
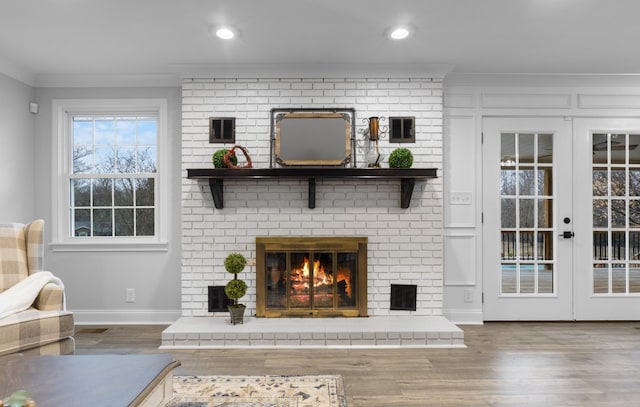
point(312, 137)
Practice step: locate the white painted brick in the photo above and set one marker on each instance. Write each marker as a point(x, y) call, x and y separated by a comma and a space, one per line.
point(279, 207)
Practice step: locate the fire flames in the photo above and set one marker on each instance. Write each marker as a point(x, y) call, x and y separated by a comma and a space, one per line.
point(321, 278)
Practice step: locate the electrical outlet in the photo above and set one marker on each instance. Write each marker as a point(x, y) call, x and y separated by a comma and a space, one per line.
point(468, 295)
point(251, 262)
point(130, 295)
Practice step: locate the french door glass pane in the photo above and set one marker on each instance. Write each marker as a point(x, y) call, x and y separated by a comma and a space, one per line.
point(508, 210)
point(600, 213)
point(545, 213)
point(545, 245)
point(616, 184)
point(527, 213)
point(600, 245)
point(619, 279)
point(634, 182)
point(600, 147)
point(509, 278)
point(545, 279)
point(545, 148)
point(527, 279)
point(507, 181)
point(600, 182)
point(600, 278)
point(634, 149)
point(526, 188)
point(545, 181)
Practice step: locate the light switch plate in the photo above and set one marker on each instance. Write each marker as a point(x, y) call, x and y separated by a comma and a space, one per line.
point(460, 198)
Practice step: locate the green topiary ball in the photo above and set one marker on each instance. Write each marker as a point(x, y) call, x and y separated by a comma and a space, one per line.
point(235, 263)
point(218, 159)
point(401, 158)
point(235, 289)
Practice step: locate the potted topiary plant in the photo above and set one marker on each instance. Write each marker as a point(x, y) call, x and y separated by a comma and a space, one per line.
point(236, 288)
point(218, 158)
point(401, 158)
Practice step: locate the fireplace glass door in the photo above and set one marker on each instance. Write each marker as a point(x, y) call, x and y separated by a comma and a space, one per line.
point(309, 282)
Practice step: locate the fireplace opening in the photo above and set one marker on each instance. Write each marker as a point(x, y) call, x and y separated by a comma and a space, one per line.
point(311, 277)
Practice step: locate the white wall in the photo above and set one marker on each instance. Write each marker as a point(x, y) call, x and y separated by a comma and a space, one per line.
point(95, 282)
point(17, 134)
point(405, 245)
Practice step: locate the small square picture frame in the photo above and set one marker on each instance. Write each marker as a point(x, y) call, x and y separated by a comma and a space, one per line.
point(222, 130)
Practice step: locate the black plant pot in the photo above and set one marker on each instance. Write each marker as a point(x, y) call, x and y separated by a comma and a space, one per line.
point(237, 313)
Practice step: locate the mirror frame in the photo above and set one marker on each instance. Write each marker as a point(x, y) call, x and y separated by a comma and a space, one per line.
point(277, 117)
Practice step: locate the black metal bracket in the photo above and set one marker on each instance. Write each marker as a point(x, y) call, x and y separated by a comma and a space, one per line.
point(406, 190)
point(312, 193)
point(217, 191)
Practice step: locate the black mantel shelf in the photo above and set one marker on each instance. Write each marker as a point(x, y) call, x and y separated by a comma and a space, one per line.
point(407, 177)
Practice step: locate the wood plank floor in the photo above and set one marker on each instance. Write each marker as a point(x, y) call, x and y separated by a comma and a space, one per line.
point(504, 364)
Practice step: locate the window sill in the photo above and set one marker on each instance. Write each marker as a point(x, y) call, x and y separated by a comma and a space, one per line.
point(110, 247)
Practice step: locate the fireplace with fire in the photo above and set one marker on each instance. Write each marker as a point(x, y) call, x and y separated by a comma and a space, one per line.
point(311, 276)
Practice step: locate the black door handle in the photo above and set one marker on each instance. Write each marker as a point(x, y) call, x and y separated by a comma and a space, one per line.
point(567, 235)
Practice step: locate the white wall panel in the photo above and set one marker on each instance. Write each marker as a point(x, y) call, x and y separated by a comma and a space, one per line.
point(593, 101)
point(460, 259)
point(526, 101)
point(460, 171)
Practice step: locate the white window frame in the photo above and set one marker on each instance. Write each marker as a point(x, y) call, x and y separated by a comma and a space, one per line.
point(63, 111)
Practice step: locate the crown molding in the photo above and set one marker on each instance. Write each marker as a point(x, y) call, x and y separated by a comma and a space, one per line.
point(200, 71)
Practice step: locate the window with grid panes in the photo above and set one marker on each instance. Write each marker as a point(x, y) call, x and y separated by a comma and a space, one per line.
point(109, 166)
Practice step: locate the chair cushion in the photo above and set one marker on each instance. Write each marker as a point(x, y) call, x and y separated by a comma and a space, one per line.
point(13, 255)
point(33, 328)
point(34, 235)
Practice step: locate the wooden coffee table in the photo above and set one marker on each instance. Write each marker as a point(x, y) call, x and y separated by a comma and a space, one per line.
point(90, 380)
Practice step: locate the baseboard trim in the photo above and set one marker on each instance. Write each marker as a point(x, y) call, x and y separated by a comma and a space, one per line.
point(464, 316)
point(125, 317)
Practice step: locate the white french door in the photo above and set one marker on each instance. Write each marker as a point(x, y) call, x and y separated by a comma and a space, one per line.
point(607, 244)
point(561, 230)
point(527, 208)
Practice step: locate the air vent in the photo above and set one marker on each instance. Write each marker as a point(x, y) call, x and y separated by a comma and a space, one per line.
point(218, 300)
point(403, 297)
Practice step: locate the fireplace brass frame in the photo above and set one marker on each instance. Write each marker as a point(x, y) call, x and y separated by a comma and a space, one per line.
point(357, 244)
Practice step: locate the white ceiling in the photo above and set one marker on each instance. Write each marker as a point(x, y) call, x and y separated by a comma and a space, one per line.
point(45, 39)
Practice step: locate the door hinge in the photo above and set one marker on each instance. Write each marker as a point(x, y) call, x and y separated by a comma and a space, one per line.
point(482, 217)
point(483, 298)
point(482, 138)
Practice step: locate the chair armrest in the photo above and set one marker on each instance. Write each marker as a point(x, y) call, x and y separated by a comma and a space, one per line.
point(51, 298)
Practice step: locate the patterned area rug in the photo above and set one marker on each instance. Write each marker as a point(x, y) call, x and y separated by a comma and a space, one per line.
point(258, 391)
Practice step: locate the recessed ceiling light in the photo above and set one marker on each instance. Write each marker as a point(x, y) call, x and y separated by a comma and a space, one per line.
point(399, 33)
point(225, 33)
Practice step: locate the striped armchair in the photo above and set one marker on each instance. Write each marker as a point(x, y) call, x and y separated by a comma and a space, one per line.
point(43, 326)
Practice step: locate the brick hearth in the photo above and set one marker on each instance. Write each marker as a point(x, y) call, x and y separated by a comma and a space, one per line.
point(408, 331)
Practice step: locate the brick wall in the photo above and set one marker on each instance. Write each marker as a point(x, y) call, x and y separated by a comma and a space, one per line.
point(405, 245)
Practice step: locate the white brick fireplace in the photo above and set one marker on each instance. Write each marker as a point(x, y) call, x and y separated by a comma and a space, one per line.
point(404, 245)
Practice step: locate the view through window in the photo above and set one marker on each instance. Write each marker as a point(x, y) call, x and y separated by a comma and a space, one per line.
point(113, 177)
